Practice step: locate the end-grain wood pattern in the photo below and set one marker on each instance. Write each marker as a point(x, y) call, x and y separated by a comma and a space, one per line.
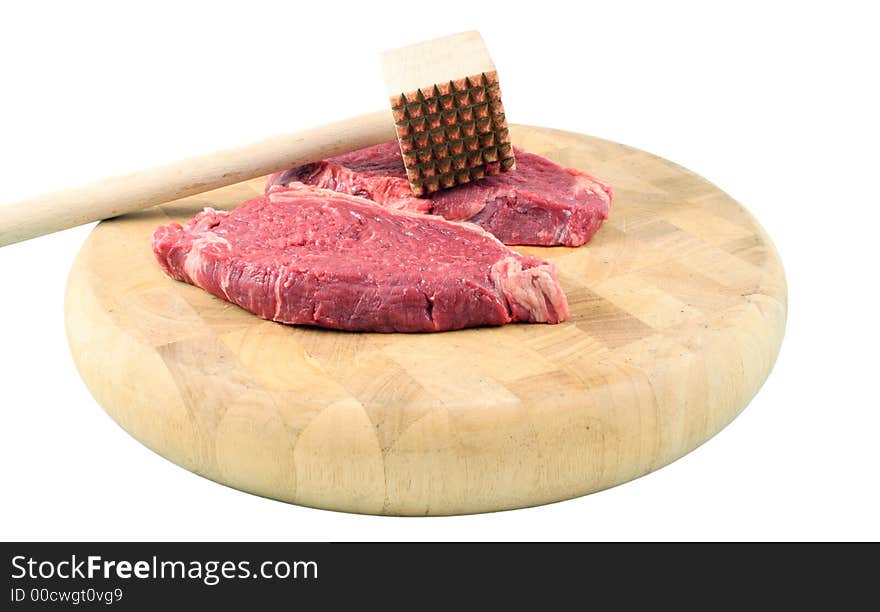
point(678, 310)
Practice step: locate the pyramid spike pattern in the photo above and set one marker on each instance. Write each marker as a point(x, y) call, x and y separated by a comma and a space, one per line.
point(453, 133)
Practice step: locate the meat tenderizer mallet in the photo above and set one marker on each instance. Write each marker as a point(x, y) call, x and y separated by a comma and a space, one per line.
point(446, 113)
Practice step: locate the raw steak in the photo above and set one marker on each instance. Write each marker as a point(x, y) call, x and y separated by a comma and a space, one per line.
point(310, 256)
point(539, 203)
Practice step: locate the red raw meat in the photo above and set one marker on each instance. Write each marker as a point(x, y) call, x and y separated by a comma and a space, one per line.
point(309, 256)
point(539, 203)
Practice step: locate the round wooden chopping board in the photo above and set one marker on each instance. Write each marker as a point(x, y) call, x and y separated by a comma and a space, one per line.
point(678, 308)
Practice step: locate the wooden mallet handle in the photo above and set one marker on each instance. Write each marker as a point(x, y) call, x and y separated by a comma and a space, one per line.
point(138, 190)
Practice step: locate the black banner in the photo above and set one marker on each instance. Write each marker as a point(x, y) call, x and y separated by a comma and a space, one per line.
point(134, 576)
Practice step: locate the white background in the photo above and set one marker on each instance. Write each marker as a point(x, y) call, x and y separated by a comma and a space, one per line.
point(777, 103)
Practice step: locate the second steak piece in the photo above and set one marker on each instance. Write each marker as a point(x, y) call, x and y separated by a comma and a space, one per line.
point(539, 203)
point(309, 256)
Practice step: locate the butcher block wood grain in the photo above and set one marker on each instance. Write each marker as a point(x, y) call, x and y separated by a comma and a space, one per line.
point(678, 310)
